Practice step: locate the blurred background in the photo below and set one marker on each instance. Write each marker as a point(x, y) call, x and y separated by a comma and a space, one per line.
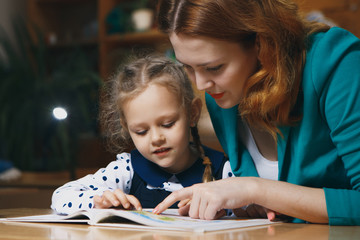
point(54, 57)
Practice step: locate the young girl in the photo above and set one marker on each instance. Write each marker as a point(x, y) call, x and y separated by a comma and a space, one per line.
point(149, 107)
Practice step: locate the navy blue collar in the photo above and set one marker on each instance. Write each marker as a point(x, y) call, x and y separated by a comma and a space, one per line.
point(156, 176)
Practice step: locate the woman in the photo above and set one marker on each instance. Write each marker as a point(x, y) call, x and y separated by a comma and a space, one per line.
point(284, 98)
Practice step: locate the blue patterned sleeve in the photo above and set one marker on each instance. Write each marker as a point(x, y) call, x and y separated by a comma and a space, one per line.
point(78, 195)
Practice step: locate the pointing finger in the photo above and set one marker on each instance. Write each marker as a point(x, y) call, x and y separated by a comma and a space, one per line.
point(182, 194)
point(134, 202)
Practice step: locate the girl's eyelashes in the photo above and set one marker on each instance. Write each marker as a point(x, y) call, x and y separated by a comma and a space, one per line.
point(169, 125)
point(143, 132)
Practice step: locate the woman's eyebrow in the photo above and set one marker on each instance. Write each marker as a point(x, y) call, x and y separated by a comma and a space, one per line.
point(198, 65)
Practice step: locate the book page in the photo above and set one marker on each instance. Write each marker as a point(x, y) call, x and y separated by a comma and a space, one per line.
point(78, 217)
point(145, 219)
point(168, 220)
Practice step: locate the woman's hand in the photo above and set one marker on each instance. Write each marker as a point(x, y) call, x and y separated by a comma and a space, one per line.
point(116, 199)
point(208, 200)
point(249, 211)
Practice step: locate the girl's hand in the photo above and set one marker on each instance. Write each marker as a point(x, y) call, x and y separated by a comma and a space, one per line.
point(116, 199)
point(208, 200)
point(255, 211)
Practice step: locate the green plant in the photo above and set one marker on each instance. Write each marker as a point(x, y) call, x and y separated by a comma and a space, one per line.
point(119, 18)
point(32, 84)
point(141, 4)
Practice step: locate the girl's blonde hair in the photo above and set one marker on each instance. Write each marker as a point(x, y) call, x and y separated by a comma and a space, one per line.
point(280, 34)
point(131, 80)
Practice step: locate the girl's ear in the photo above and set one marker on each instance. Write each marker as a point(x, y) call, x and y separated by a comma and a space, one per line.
point(196, 107)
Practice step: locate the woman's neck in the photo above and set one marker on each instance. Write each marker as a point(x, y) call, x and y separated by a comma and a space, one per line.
point(265, 143)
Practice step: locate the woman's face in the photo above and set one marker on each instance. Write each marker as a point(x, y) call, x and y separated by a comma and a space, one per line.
point(218, 67)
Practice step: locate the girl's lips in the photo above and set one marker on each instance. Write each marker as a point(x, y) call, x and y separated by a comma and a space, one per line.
point(217, 95)
point(161, 151)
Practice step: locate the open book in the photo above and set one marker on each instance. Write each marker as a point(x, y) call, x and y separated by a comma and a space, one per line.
point(145, 219)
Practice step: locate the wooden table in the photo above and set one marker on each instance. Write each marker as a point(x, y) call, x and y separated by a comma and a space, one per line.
point(288, 231)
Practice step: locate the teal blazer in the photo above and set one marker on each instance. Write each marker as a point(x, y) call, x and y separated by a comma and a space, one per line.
point(323, 149)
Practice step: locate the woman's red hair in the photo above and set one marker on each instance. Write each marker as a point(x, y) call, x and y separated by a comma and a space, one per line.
point(278, 30)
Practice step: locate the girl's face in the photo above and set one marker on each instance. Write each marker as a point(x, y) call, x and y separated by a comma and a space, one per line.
point(160, 128)
point(220, 68)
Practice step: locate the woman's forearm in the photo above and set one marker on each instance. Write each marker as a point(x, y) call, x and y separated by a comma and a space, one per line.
point(293, 200)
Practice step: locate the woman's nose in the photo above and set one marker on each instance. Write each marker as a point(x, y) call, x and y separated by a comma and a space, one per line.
point(202, 82)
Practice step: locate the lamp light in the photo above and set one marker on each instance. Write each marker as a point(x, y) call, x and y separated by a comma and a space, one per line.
point(59, 113)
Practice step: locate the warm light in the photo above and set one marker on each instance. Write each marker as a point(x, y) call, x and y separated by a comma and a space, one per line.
point(60, 113)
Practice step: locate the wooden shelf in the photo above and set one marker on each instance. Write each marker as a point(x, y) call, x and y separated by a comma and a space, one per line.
point(82, 43)
point(114, 47)
point(64, 17)
point(149, 37)
point(63, 2)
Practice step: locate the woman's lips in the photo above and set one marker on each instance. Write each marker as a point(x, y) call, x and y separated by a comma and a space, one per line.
point(217, 95)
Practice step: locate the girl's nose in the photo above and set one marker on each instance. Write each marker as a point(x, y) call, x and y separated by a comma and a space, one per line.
point(157, 138)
